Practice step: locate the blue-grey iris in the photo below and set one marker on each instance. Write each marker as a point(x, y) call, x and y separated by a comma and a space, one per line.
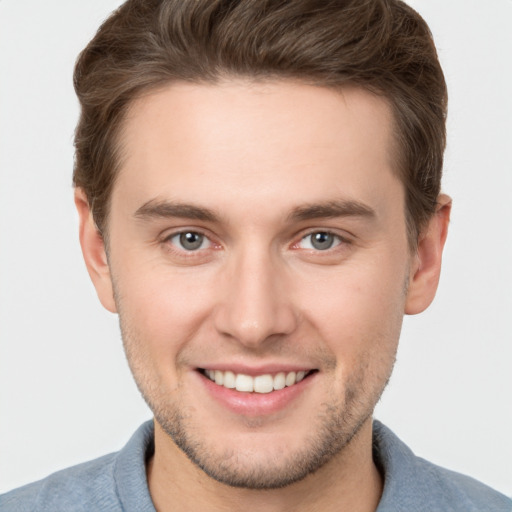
point(191, 241)
point(322, 240)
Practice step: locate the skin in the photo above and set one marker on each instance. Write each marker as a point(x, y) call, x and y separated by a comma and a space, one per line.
point(256, 157)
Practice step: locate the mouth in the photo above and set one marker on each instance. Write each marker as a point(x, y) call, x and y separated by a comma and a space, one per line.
point(265, 383)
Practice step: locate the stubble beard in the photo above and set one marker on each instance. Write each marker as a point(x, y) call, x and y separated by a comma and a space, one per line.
point(333, 432)
point(335, 426)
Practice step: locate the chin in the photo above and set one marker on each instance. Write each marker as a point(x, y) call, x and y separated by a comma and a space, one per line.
point(260, 459)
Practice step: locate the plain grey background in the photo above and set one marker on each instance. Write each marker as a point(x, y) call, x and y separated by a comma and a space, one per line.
point(66, 394)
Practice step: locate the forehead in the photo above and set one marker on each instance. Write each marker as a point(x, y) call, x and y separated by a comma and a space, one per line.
point(279, 142)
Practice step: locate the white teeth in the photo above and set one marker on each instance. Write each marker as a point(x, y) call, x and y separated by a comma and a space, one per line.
point(291, 379)
point(244, 383)
point(279, 381)
point(219, 377)
point(260, 384)
point(229, 380)
point(263, 384)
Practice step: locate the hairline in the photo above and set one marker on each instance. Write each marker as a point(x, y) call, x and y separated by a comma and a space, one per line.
point(396, 151)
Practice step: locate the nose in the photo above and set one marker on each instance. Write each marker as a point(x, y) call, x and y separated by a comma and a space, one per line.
point(255, 305)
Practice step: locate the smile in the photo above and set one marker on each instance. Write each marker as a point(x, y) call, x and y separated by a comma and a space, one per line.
point(265, 383)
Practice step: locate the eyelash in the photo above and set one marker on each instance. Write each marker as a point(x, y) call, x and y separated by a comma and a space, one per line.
point(337, 238)
point(173, 247)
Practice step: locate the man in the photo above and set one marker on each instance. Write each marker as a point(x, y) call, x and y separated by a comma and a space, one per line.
point(258, 187)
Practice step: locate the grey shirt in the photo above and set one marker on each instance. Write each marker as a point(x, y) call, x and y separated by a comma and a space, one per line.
point(117, 482)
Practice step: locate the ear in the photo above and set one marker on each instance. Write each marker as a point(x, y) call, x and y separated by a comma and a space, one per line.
point(93, 250)
point(426, 267)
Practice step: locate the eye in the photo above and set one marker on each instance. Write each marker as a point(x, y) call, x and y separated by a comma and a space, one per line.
point(190, 241)
point(320, 241)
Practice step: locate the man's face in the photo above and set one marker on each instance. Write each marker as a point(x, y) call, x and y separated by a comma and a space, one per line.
point(257, 236)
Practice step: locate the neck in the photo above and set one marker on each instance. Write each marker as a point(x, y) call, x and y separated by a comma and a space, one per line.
point(349, 481)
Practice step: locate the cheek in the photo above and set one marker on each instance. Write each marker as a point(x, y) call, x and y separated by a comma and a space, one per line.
point(358, 307)
point(164, 309)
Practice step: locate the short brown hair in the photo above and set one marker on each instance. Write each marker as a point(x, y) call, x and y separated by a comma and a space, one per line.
point(381, 45)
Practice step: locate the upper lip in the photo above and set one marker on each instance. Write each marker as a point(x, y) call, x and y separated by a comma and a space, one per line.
point(271, 368)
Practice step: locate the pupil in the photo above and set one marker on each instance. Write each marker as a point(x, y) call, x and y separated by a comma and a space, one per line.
point(191, 241)
point(322, 240)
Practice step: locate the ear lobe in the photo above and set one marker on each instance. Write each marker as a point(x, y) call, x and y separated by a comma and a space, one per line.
point(426, 269)
point(93, 250)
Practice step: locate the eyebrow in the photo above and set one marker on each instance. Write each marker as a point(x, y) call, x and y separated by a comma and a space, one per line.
point(332, 209)
point(165, 209)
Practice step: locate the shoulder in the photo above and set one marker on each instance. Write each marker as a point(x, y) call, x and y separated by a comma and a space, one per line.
point(468, 493)
point(112, 483)
point(458, 491)
point(88, 486)
point(412, 483)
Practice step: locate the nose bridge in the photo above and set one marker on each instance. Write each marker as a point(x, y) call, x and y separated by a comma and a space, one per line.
point(255, 305)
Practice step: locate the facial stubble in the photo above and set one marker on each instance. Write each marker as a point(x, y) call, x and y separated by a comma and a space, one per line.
point(338, 421)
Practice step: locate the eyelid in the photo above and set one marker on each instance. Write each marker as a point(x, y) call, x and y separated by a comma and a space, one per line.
point(343, 239)
point(168, 235)
point(204, 239)
point(165, 238)
point(336, 241)
point(170, 232)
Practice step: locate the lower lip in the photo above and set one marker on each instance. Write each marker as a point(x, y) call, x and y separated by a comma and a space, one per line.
point(256, 404)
